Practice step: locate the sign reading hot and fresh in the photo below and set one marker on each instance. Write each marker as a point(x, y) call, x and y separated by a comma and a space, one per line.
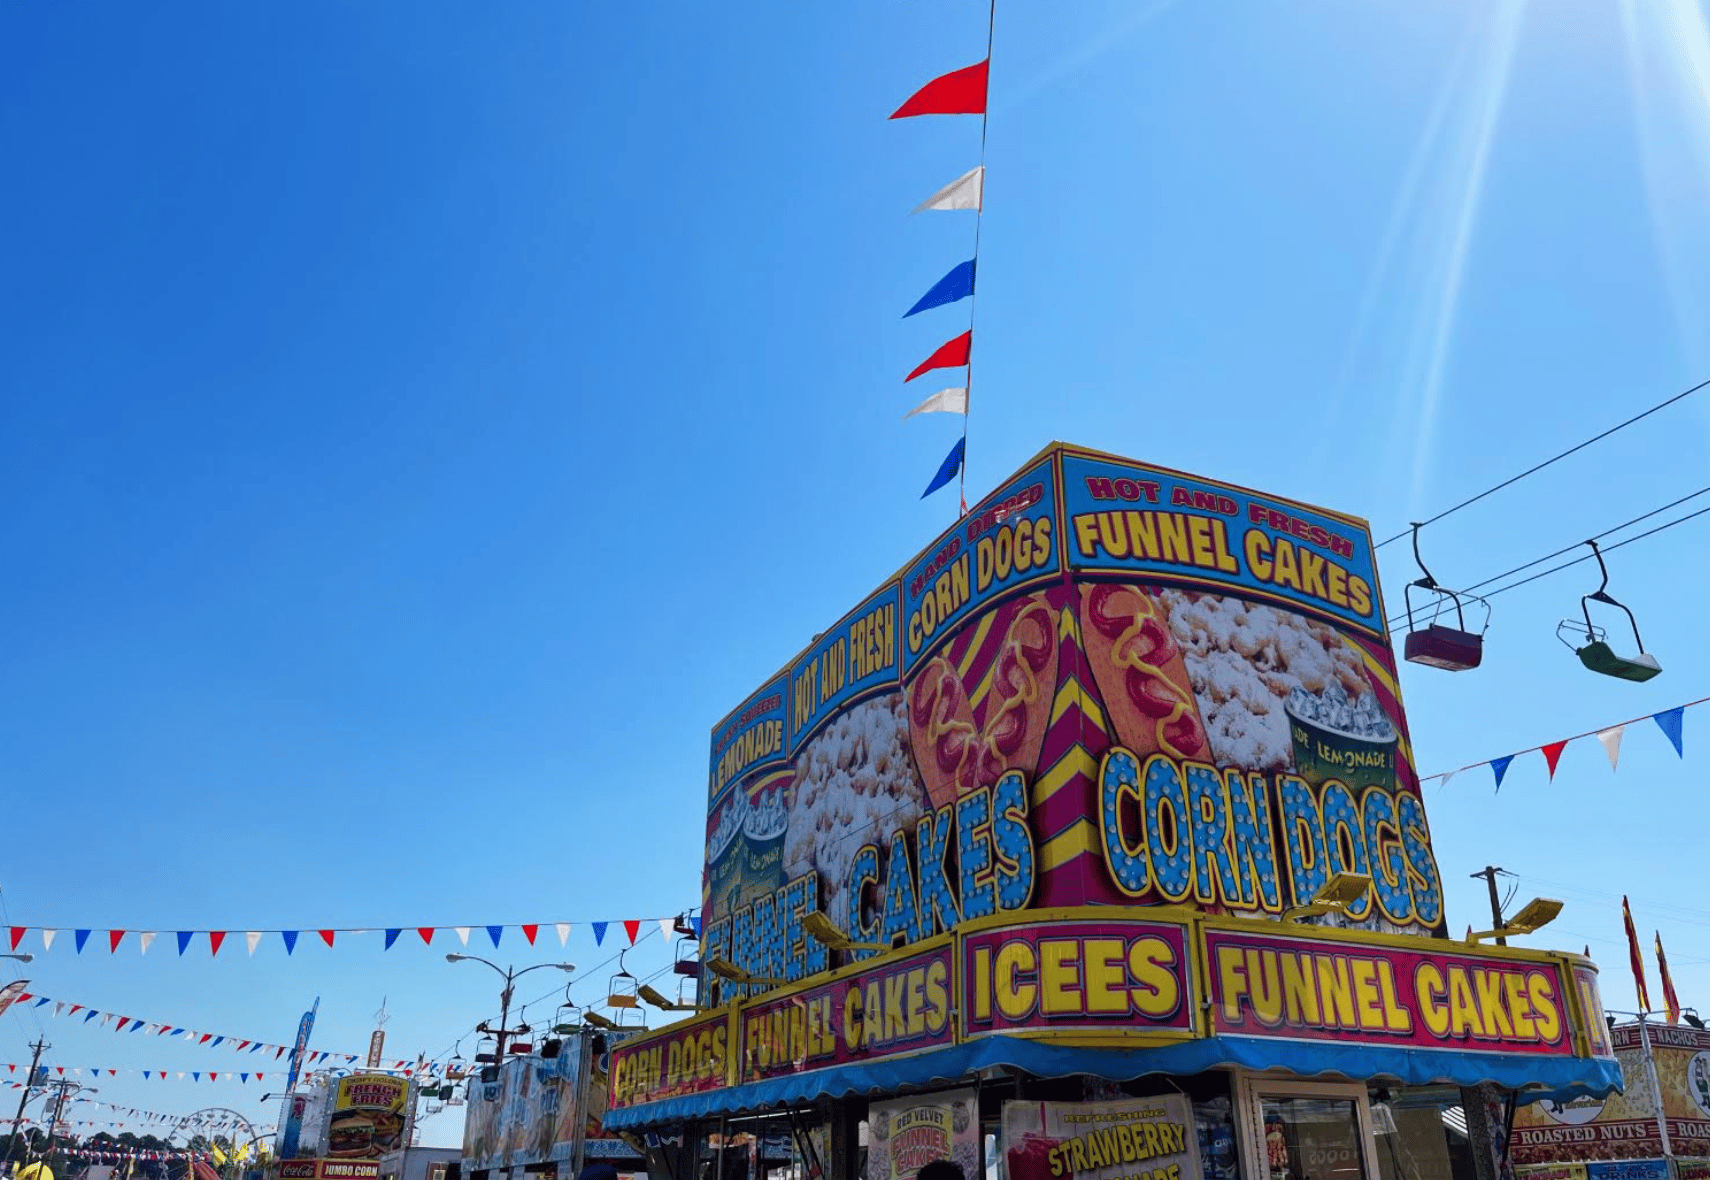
point(1110, 682)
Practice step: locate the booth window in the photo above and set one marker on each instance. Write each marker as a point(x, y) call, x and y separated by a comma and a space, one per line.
point(1421, 1134)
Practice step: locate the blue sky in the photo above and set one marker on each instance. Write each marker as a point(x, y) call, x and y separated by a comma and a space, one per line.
point(423, 421)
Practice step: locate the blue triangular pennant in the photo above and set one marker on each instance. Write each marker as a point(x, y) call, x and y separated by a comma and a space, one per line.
point(217, 1040)
point(244, 1076)
point(145, 1074)
point(184, 940)
point(290, 937)
point(493, 933)
point(137, 1027)
point(947, 470)
point(197, 1076)
point(958, 284)
point(1500, 766)
point(391, 937)
point(599, 931)
point(43, 1000)
point(696, 922)
point(1673, 722)
point(92, 1015)
point(82, 936)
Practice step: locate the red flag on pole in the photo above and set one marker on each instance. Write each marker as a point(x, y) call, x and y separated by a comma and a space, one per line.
point(960, 92)
point(949, 355)
point(1635, 957)
point(1671, 1002)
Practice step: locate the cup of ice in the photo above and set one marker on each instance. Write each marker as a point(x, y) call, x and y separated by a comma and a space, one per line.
point(1338, 738)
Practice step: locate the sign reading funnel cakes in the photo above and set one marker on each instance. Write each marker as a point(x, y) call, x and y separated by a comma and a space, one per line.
point(1108, 683)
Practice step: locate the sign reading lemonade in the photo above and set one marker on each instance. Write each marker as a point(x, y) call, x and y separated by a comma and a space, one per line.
point(1109, 683)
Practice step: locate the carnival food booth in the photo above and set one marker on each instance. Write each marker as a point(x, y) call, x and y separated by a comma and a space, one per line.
point(1091, 845)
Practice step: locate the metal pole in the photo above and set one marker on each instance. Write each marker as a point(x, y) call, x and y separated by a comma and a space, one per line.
point(53, 1123)
point(1656, 1093)
point(1489, 874)
point(29, 1084)
point(504, 1013)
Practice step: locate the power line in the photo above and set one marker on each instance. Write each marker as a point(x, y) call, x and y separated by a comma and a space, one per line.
point(1537, 467)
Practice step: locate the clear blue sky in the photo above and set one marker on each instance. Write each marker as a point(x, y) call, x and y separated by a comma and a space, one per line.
point(422, 421)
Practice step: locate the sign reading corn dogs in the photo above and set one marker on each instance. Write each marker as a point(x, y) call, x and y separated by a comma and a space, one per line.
point(1108, 683)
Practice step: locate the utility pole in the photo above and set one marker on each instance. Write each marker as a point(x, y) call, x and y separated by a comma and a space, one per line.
point(29, 1084)
point(1490, 873)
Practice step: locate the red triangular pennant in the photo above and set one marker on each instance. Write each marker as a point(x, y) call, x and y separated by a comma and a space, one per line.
point(529, 932)
point(426, 932)
point(326, 936)
point(215, 938)
point(113, 939)
point(1553, 754)
point(632, 927)
point(960, 92)
point(949, 355)
point(17, 936)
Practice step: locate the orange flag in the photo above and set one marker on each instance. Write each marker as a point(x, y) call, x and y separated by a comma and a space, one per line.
point(1633, 955)
point(1671, 1002)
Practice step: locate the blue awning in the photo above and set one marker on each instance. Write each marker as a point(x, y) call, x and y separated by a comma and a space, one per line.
point(1561, 1077)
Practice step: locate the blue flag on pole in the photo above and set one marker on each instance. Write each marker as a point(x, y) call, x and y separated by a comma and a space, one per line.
point(947, 470)
point(958, 284)
point(1500, 766)
point(1673, 723)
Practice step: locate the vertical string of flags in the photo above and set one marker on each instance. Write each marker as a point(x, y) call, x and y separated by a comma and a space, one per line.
point(960, 92)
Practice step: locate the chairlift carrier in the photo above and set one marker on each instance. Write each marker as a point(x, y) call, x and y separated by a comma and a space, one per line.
point(1596, 654)
point(1453, 649)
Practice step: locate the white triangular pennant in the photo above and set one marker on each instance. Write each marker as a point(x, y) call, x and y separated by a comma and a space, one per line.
point(946, 401)
point(252, 939)
point(47, 939)
point(462, 934)
point(1611, 739)
point(965, 192)
point(146, 939)
point(59, 1008)
point(667, 927)
point(563, 932)
point(1445, 778)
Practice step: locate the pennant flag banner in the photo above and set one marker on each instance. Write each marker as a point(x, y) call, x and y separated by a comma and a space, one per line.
point(1671, 721)
point(1671, 1001)
point(15, 935)
point(960, 92)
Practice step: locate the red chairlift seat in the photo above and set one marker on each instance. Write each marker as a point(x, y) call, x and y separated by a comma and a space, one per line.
point(1436, 645)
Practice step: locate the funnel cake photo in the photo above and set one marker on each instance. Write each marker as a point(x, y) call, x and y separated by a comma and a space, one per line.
point(1140, 672)
point(980, 706)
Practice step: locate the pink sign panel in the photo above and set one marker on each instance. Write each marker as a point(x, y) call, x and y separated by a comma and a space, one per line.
point(1319, 990)
point(901, 1008)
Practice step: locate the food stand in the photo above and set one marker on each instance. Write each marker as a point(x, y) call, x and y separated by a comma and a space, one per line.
point(1091, 845)
point(356, 1120)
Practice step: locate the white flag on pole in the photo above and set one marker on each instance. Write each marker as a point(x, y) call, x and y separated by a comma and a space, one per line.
point(1611, 739)
point(947, 401)
point(965, 192)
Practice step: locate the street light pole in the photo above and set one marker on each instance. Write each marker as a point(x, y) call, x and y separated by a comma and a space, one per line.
point(511, 975)
point(29, 1084)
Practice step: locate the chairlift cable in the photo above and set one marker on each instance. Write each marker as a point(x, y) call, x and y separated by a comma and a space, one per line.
point(1402, 617)
point(1535, 468)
